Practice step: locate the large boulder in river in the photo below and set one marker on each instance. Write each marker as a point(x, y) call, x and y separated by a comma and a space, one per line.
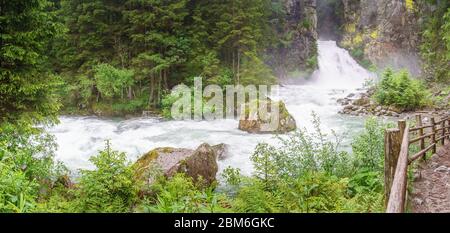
point(200, 164)
point(221, 150)
point(286, 122)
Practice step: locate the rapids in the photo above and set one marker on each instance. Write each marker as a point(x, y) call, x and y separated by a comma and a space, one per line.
point(339, 74)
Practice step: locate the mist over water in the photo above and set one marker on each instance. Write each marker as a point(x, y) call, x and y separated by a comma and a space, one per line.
point(337, 69)
point(78, 138)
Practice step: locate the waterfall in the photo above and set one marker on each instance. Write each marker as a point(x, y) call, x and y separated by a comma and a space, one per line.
point(337, 69)
point(78, 138)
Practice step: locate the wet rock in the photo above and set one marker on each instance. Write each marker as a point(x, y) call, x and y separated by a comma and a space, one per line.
point(352, 95)
point(221, 151)
point(286, 121)
point(344, 101)
point(348, 108)
point(418, 201)
point(363, 101)
point(200, 164)
point(417, 176)
point(442, 169)
point(303, 40)
point(386, 30)
point(64, 181)
point(395, 109)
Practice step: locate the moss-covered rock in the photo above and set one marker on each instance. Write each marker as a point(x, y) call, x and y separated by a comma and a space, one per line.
point(200, 164)
point(286, 121)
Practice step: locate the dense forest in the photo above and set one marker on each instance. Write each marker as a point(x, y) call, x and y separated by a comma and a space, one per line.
point(122, 57)
point(128, 54)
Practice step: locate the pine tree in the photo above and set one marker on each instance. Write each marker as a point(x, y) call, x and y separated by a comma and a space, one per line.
point(26, 85)
point(158, 39)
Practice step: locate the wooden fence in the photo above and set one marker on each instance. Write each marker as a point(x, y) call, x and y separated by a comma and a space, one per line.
point(398, 158)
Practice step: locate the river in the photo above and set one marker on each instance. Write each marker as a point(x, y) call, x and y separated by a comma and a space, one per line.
point(339, 74)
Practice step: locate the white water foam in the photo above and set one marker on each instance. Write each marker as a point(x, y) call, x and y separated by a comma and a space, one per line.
point(79, 138)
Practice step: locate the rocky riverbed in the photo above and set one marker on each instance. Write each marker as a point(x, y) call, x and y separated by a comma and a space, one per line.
point(362, 104)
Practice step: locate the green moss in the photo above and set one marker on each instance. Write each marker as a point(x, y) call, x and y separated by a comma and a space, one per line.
point(409, 5)
point(142, 163)
point(358, 39)
point(374, 34)
point(350, 28)
point(167, 150)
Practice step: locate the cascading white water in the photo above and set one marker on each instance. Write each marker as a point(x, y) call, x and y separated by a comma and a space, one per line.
point(78, 138)
point(337, 69)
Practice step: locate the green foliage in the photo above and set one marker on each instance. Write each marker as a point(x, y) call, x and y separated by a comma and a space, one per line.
point(27, 87)
point(162, 43)
point(310, 193)
point(171, 97)
point(130, 106)
point(109, 188)
point(442, 99)
point(312, 63)
point(299, 153)
point(400, 90)
point(255, 72)
point(27, 167)
point(166, 105)
point(358, 54)
point(435, 47)
point(368, 147)
point(111, 81)
point(17, 193)
point(180, 194)
point(306, 173)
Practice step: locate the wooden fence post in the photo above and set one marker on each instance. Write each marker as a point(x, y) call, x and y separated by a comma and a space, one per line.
point(420, 124)
point(401, 127)
point(443, 132)
point(392, 144)
point(448, 127)
point(433, 137)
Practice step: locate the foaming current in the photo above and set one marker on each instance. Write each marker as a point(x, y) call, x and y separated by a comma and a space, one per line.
point(79, 138)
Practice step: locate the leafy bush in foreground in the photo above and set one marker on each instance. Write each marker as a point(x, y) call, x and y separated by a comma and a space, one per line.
point(27, 167)
point(308, 173)
point(180, 194)
point(109, 188)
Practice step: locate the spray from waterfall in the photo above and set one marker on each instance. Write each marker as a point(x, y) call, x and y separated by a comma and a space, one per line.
point(337, 69)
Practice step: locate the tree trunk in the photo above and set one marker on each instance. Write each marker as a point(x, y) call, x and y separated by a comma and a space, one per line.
point(166, 84)
point(159, 87)
point(238, 67)
point(151, 95)
point(130, 93)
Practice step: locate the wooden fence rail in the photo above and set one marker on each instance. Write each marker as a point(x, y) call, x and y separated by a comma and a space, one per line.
point(398, 159)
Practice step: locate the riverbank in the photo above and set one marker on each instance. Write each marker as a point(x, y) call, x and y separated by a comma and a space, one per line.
point(363, 103)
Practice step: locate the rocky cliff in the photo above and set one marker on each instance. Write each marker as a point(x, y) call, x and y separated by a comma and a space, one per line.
point(383, 32)
point(295, 54)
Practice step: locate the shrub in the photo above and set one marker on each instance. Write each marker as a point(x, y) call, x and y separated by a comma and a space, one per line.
point(368, 147)
point(18, 194)
point(27, 168)
point(111, 81)
point(170, 98)
point(180, 194)
point(311, 193)
point(399, 90)
point(166, 105)
point(109, 188)
point(299, 153)
point(307, 173)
